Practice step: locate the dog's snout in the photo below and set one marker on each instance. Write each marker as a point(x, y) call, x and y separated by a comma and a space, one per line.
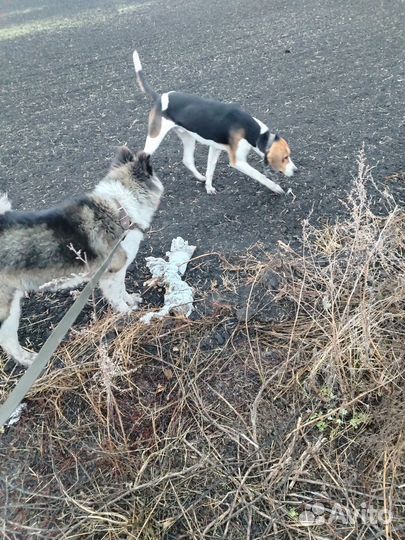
point(290, 169)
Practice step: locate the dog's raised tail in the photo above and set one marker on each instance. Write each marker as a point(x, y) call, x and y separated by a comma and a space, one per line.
point(5, 204)
point(143, 85)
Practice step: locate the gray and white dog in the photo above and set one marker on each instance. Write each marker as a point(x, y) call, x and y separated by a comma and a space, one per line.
point(63, 246)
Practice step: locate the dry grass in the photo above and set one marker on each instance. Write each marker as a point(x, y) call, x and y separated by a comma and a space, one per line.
point(233, 425)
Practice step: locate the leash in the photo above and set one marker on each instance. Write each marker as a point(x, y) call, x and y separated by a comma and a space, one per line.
point(44, 355)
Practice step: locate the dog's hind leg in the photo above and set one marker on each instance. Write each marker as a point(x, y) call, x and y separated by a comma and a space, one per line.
point(213, 155)
point(188, 153)
point(159, 127)
point(10, 311)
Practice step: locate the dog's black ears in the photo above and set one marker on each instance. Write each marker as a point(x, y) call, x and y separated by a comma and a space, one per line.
point(141, 159)
point(144, 162)
point(123, 155)
point(262, 142)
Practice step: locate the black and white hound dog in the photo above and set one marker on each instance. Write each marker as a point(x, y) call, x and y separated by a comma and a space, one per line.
point(221, 126)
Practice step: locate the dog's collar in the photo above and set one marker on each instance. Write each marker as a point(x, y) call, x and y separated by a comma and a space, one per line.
point(265, 141)
point(125, 220)
point(271, 139)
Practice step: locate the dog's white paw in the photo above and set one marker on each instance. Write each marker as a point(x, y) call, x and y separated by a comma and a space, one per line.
point(135, 307)
point(129, 303)
point(26, 358)
point(133, 299)
point(200, 177)
point(122, 307)
point(210, 190)
point(276, 188)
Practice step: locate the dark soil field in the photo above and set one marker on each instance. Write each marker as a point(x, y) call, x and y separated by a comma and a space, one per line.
point(286, 383)
point(326, 75)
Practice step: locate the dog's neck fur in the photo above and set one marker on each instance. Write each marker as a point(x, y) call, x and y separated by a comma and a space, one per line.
point(140, 212)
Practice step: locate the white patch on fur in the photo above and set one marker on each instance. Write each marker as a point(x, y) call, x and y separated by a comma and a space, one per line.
point(164, 100)
point(263, 127)
point(206, 142)
point(138, 211)
point(153, 143)
point(130, 244)
point(137, 61)
point(5, 204)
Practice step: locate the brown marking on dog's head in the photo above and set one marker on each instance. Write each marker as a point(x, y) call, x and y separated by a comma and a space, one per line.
point(234, 140)
point(278, 156)
point(155, 122)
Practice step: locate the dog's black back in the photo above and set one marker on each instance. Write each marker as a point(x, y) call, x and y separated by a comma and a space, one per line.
point(210, 119)
point(38, 239)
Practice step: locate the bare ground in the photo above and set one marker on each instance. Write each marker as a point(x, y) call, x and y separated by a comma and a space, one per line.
point(285, 390)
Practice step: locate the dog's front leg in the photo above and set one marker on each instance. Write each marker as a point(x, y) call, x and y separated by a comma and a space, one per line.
point(112, 283)
point(238, 159)
point(244, 167)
